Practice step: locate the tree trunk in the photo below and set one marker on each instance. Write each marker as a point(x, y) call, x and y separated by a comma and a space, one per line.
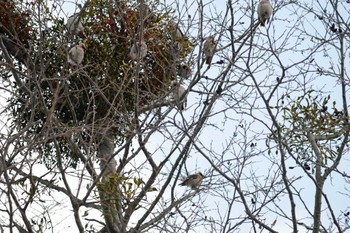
point(319, 183)
point(109, 200)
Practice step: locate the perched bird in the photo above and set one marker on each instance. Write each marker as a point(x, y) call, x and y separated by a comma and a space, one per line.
point(209, 49)
point(76, 54)
point(175, 50)
point(176, 33)
point(178, 94)
point(193, 181)
point(74, 25)
point(138, 49)
point(184, 71)
point(264, 12)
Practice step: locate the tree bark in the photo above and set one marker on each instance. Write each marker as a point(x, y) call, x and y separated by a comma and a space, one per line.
point(110, 201)
point(319, 183)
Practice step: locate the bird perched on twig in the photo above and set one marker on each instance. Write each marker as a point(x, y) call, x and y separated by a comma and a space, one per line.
point(74, 25)
point(176, 33)
point(184, 71)
point(264, 12)
point(209, 49)
point(75, 55)
point(175, 50)
point(138, 48)
point(193, 181)
point(178, 94)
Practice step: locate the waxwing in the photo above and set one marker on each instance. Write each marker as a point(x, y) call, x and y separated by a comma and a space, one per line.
point(138, 48)
point(184, 71)
point(175, 50)
point(176, 33)
point(264, 12)
point(209, 49)
point(74, 25)
point(178, 94)
point(193, 181)
point(76, 54)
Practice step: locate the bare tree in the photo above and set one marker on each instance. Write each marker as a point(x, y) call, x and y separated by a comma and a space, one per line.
point(104, 144)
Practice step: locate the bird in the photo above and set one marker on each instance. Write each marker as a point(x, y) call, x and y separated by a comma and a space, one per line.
point(184, 71)
point(178, 94)
point(264, 12)
point(138, 48)
point(193, 181)
point(175, 50)
point(176, 33)
point(74, 25)
point(76, 54)
point(209, 49)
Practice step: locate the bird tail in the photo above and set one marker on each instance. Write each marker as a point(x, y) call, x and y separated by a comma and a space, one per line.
point(208, 60)
point(182, 107)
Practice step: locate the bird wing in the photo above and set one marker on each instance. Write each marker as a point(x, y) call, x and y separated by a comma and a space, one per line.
point(71, 54)
point(189, 178)
point(206, 47)
point(208, 60)
point(180, 91)
point(209, 49)
point(72, 23)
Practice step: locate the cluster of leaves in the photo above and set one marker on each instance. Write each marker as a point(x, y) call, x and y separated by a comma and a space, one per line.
point(112, 36)
point(309, 114)
point(14, 23)
point(128, 185)
point(102, 91)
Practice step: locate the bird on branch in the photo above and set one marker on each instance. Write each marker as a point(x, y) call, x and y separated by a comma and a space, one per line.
point(74, 25)
point(178, 94)
point(76, 54)
point(264, 12)
point(209, 49)
point(193, 181)
point(138, 48)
